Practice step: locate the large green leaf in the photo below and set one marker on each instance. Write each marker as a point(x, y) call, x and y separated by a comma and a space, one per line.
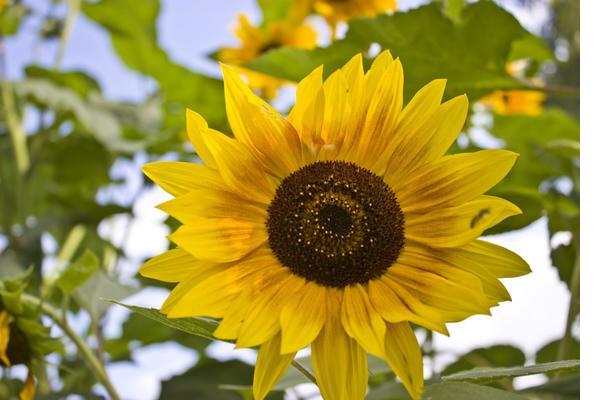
point(135, 40)
point(548, 149)
point(549, 352)
point(466, 391)
point(90, 294)
point(91, 119)
point(472, 54)
point(558, 388)
point(213, 380)
point(202, 327)
point(482, 375)
point(78, 81)
point(497, 356)
point(119, 348)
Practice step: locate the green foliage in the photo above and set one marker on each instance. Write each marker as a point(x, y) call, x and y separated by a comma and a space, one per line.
point(471, 54)
point(484, 375)
point(78, 272)
point(498, 355)
point(202, 327)
point(467, 391)
point(135, 40)
point(11, 18)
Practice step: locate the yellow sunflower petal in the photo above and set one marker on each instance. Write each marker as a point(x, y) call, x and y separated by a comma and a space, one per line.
point(336, 112)
point(210, 291)
point(220, 239)
point(339, 362)
point(403, 354)
point(262, 319)
point(172, 266)
point(229, 327)
point(456, 226)
point(233, 159)
point(440, 284)
point(270, 367)
point(307, 114)
point(445, 128)
point(395, 304)
point(302, 317)
point(453, 180)
point(256, 124)
point(178, 178)
point(4, 336)
point(425, 131)
point(499, 261)
point(476, 265)
point(361, 321)
point(214, 203)
point(28, 391)
point(382, 118)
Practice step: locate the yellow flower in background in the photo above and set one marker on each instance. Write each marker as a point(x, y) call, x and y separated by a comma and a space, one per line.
point(335, 227)
point(255, 41)
point(335, 11)
point(14, 350)
point(529, 102)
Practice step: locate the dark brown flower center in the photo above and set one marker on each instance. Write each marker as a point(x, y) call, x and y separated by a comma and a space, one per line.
point(336, 224)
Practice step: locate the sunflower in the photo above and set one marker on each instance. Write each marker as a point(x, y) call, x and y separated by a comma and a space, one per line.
point(335, 11)
point(255, 41)
point(528, 102)
point(336, 227)
point(23, 339)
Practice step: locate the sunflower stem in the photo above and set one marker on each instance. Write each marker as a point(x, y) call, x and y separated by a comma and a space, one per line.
point(564, 347)
point(304, 372)
point(83, 348)
point(73, 10)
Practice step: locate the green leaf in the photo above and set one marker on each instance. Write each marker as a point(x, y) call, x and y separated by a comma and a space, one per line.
point(274, 10)
point(544, 155)
point(471, 54)
point(530, 47)
point(202, 327)
point(78, 81)
point(466, 391)
point(208, 381)
point(101, 124)
point(392, 390)
point(119, 348)
point(549, 352)
point(11, 17)
point(483, 375)
point(78, 272)
point(497, 356)
point(90, 294)
point(559, 388)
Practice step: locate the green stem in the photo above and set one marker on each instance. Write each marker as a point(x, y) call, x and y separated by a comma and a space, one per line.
point(564, 347)
point(66, 31)
point(83, 348)
point(304, 372)
point(17, 133)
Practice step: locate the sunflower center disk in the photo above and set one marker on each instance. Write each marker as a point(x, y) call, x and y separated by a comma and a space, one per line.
point(336, 224)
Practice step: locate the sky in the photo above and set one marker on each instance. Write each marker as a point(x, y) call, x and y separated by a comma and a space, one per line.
point(187, 30)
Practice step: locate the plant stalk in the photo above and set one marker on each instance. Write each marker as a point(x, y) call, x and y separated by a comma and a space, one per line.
point(72, 12)
point(15, 127)
point(304, 371)
point(83, 348)
point(564, 347)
